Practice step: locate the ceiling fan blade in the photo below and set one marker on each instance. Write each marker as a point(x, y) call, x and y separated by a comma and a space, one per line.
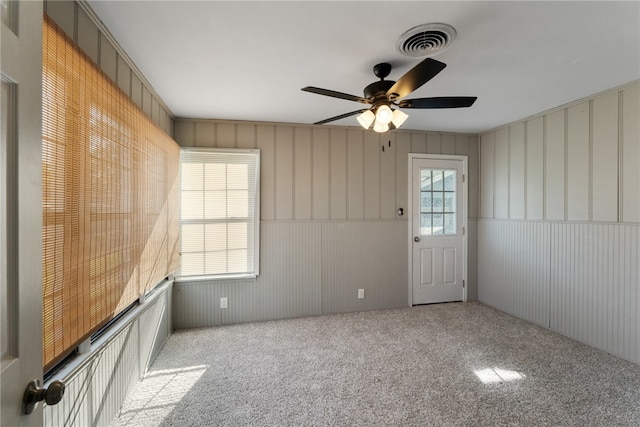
point(335, 94)
point(414, 78)
point(341, 116)
point(439, 102)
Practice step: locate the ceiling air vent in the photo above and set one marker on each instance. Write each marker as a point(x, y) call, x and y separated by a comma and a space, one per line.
point(426, 39)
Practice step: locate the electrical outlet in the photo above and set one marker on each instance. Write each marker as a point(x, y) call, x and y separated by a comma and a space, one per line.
point(360, 293)
point(223, 302)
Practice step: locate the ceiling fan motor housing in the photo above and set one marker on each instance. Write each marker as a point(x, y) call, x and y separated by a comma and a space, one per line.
point(378, 90)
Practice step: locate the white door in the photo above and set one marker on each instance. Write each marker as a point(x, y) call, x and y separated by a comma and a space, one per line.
point(20, 208)
point(438, 218)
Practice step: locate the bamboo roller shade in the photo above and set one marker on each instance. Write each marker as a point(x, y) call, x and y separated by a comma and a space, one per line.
point(110, 198)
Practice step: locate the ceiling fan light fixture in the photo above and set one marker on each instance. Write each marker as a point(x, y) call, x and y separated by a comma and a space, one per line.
point(398, 118)
point(365, 119)
point(384, 114)
point(380, 127)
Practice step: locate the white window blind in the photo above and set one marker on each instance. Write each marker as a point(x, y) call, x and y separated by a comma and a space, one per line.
point(219, 218)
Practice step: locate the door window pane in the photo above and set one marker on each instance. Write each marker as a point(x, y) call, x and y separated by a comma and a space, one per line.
point(438, 202)
point(437, 180)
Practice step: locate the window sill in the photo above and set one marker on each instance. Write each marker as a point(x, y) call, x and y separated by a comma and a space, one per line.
point(220, 278)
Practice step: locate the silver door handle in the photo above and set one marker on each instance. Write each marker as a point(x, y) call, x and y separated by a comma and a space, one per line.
point(416, 239)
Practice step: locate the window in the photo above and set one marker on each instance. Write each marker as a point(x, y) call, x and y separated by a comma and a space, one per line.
point(219, 213)
point(109, 199)
point(437, 202)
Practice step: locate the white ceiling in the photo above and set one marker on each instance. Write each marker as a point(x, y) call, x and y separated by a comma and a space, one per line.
point(242, 60)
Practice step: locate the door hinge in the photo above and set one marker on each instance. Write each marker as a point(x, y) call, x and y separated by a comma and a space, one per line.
point(463, 283)
point(463, 231)
point(463, 178)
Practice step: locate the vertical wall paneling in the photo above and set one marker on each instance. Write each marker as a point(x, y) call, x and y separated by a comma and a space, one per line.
point(605, 158)
point(146, 101)
point(578, 162)
point(81, 24)
point(487, 172)
point(403, 145)
point(501, 166)
point(474, 177)
point(184, 133)
point(225, 135)
point(95, 392)
point(630, 155)
point(367, 255)
point(205, 134)
point(535, 169)
point(513, 268)
point(434, 144)
point(372, 151)
point(472, 260)
point(246, 136)
point(108, 57)
point(575, 260)
point(338, 174)
point(136, 90)
point(419, 142)
point(596, 282)
point(124, 76)
point(88, 36)
point(321, 171)
point(580, 279)
point(517, 169)
point(448, 143)
point(284, 173)
point(63, 13)
point(355, 175)
point(388, 177)
point(311, 265)
point(266, 144)
point(302, 174)
point(155, 110)
point(288, 285)
point(555, 171)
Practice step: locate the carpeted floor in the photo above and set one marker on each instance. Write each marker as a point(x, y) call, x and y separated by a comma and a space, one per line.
point(461, 364)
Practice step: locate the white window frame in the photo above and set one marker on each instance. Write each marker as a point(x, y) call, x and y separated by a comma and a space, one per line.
point(256, 219)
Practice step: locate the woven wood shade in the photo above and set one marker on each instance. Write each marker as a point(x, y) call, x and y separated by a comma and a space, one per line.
point(110, 198)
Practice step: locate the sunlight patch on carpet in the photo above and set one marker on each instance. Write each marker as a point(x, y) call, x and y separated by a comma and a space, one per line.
point(153, 399)
point(497, 375)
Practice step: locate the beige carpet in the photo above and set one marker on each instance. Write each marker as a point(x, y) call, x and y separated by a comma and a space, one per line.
point(461, 364)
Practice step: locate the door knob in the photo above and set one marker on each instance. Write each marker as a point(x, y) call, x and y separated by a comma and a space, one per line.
point(416, 239)
point(34, 394)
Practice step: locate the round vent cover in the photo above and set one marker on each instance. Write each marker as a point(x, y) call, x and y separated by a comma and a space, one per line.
point(426, 39)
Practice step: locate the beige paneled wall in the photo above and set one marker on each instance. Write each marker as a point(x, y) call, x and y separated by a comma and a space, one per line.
point(578, 163)
point(560, 212)
point(330, 173)
point(79, 23)
point(329, 194)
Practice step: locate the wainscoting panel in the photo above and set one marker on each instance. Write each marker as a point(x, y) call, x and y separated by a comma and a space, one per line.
point(595, 293)
point(307, 268)
point(364, 255)
point(513, 268)
point(288, 284)
point(580, 279)
point(96, 389)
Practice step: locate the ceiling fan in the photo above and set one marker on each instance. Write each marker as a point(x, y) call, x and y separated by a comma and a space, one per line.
point(387, 96)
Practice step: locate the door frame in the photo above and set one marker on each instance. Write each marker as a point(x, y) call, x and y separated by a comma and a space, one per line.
point(21, 66)
point(465, 217)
